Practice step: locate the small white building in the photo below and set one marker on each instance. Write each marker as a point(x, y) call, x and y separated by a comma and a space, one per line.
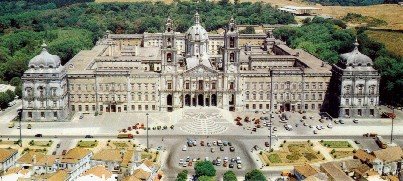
point(97, 173)
point(388, 160)
point(8, 156)
point(76, 161)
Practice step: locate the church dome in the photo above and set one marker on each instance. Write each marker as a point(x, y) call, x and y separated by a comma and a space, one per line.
point(44, 59)
point(356, 58)
point(197, 32)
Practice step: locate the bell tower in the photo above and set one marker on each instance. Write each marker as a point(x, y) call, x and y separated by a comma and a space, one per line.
point(169, 60)
point(231, 49)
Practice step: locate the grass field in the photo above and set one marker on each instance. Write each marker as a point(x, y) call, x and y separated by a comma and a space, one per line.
point(336, 144)
point(392, 40)
point(87, 144)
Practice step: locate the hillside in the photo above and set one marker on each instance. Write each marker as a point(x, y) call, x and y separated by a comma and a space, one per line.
point(393, 41)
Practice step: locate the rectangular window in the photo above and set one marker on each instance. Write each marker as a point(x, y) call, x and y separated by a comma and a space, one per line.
point(275, 106)
point(125, 107)
point(146, 107)
point(55, 114)
point(30, 114)
point(80, 108)
point(169, 86)
point(267, 106)
point(359, 112)
point(247, 106)
point(306, 106)
point(254, 106)
point(133, 107)
point(153, 106)
point(93, 107)
point(86, 108)
point(73, 108)
point(139, 107)
point(313, 106)
point(187, 85)
point(42, 114)
point(101, 108)
point(372, 112)
point(213, 86)
point(260, 106)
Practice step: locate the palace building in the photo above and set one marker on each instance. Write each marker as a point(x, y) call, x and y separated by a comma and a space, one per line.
point(171, 70)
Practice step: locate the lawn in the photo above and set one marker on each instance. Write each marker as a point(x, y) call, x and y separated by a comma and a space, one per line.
point(41, 143)
point(274, 158)
point(292, 153)
point(152, 156)
point(87, 144)
point(336, 144)
point(120, 144)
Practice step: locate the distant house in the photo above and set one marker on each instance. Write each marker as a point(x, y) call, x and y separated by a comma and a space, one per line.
point(334, 171)
point(110, 158)
point(8, 156)
point(304, 171)
point(299, 10)
point(16, 173)
point(388, 160)
point(76, 161)
point(97, 173)
point(384, 161)
point(38, 162)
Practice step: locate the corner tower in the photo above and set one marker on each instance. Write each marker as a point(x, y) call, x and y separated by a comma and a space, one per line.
point(45, 96)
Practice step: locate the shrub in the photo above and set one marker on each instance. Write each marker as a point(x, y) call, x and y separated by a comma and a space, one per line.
point(333, 151)
point(309, 141)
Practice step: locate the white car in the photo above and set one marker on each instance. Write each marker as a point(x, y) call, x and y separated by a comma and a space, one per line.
point(180, 161)
point(206, 159)
point(184, 148)
point(355, 121)
point(330, 125)
point(315, 131)
point(318, 127)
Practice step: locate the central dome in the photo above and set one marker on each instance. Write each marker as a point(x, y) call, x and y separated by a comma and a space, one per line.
point(197, 32)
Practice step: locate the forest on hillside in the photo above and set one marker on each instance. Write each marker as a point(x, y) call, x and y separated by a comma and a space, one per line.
point(327, 39)
point(352, 2)
point(68, 27)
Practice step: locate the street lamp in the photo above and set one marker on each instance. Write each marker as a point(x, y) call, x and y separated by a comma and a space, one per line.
point(147, 130)
point(393, 117)
point(19, 111)
point(270, 124)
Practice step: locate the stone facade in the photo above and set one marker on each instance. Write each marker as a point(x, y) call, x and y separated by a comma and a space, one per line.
point(45, 89)
point(171, 70)
point(356, 86)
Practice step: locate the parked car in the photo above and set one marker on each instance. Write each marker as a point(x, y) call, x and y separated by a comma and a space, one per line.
point(355, 121)
point(54, 153)
point(11, 125)
point(330, 125)
point(231, 165)
point(221, 148)
point(64, 152)
point(229, 144)
point(81, 116)
point(89, 136)
point(341, 121)
point(58, 145)
point(315, 131)
point(239, 166)
point(231, 149)
point(201, 143)
point(274, 128)
point(212, 150)
point(38, 135)
point(29, 126)
point(267, 144)
point(184, 148)
point(180, 161)
point(357, 142)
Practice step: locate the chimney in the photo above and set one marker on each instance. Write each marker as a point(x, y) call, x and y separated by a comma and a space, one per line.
point(323, 64)
point(297, 54)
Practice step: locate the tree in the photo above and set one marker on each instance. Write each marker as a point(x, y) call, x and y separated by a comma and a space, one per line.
point(205, 168)
point(229, 176)
point(182, 176)
point(255, 175)
point(248, 30)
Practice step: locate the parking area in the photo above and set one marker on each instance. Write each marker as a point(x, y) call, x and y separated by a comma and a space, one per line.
point(225, 154)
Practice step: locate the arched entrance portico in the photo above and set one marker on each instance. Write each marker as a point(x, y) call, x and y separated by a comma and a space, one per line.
point(200, 100)
point(169, 103)
point(187, 100)
point(213, 100)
